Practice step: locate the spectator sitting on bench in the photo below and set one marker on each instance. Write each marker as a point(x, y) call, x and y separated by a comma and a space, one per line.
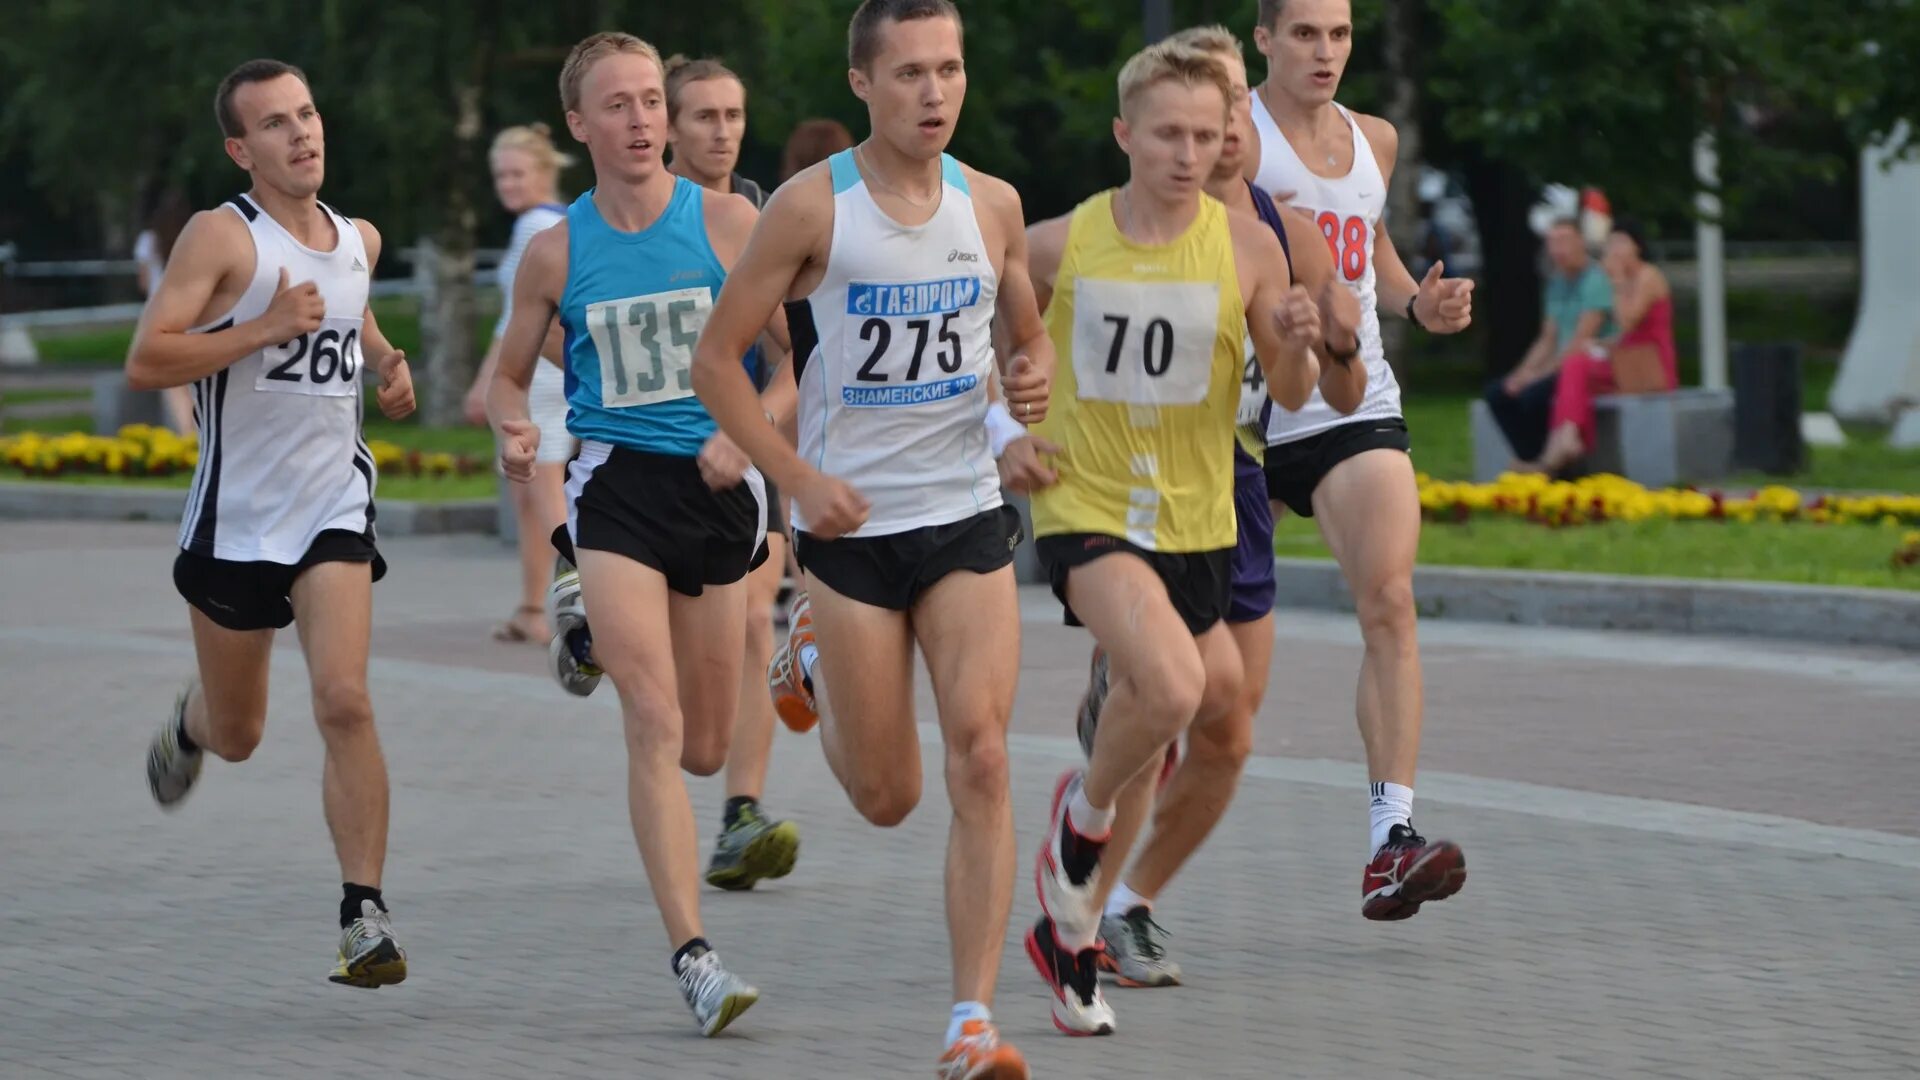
point(1637, 360)
point(1576, 307)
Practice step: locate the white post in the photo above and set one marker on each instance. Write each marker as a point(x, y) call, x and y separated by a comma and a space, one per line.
point(1880, 373)
point(1711, 259)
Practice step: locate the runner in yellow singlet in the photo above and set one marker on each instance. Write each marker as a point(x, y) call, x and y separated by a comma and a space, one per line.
point(1154, 295)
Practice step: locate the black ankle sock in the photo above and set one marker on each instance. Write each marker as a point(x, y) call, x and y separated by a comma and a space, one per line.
point(350, 905)
point(734, 805)
point(688, 953)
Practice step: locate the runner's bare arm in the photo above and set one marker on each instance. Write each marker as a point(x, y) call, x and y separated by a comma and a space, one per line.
point(1444, 305)
point(1343, 382)
point(792, 229)
point(1282, 319)
point(537, 286)
point(1046, 244)
point(213, 250)
point(730, 223)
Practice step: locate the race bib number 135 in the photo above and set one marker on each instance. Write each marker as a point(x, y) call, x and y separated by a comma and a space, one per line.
point(645, 345)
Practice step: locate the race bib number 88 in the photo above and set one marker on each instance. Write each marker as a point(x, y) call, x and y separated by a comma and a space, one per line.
point(1144, 342)
point(645, 345)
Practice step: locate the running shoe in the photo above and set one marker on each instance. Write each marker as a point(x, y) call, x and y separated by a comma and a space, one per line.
point(172, 768)
point(716, 996)
point(1079, 1008)
point(370, 956)
point(1407, 871)
point(753, 848)
point(1134, 954)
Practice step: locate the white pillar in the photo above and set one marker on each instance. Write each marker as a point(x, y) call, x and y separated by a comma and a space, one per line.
point(1712, 265)
point(1880, 372)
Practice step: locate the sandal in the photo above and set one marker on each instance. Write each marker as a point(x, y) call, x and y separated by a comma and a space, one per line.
point(516, 627)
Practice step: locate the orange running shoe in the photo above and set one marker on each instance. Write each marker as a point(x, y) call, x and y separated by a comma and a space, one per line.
point(978, 1054)
point(792, 696)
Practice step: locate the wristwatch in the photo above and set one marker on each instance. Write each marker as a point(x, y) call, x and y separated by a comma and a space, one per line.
point(1411, 317)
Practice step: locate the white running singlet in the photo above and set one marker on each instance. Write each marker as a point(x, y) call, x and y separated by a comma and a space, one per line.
point(894, 399)
point(1348, 211)
point(281, 456)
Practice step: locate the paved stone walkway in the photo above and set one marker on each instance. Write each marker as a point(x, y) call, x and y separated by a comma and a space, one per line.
point(1689, 858)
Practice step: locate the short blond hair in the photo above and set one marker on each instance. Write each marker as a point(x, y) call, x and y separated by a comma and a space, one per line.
point(1210, 39)
point(591, 51)
point(534, 140)
point(1172, 61)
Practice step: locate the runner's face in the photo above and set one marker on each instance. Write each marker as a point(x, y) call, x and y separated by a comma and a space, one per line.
point(622, 116)
point(713, 120)
point(1239, 133)
point(520, 181)
point(284, 144)
point(1173, 137)
point(917, 82)
point(1307, 49)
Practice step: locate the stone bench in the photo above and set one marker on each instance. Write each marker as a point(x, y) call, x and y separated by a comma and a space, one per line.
point(1655, 440)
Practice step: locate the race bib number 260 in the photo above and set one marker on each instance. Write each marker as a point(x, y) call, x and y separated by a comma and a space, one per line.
point(325, 363)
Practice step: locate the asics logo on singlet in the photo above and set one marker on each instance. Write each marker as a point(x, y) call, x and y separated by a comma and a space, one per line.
point(914, 298)
point(956, 255)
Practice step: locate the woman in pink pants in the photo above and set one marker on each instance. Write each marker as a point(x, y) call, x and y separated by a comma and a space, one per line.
point(1637, 360)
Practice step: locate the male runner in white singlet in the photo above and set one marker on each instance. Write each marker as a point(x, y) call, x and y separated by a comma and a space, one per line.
point(263, 311)
point(1352, 473)
point(896, 259)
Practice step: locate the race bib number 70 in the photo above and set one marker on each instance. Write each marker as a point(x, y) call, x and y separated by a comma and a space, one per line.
point(1144, 342)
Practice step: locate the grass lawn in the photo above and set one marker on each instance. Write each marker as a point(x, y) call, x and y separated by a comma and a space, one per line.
point(399, 318)
point(1852, 555)
point(1444, 375)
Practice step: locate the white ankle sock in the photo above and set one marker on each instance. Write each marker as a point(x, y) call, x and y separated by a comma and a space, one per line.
point(1124, 900)
point(1391, 804)
point(964, 1011)
point(1087, 821)
point(809, 656)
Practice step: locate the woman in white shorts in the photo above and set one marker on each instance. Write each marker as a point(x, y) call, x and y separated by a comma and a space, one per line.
point(526, 177)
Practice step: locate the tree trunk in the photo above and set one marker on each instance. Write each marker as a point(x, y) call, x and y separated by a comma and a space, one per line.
point(1401, 108)
point(1507, 301)
point(448, 307)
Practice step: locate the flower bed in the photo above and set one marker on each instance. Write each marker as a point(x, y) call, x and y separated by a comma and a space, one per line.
point(139, 450)
point(1595, 499)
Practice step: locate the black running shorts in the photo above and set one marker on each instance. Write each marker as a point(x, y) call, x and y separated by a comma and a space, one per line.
point(256, 595)
point(1200, 583)
point(1295, 469)
point(657, 510)
point(893, 571)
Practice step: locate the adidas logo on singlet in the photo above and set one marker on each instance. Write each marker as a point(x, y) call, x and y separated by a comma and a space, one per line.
point(357, 266)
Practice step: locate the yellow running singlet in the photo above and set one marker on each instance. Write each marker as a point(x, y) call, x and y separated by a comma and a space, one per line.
point(1151, 347)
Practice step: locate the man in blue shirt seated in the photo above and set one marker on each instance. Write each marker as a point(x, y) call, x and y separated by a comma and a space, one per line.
point(1576, 309)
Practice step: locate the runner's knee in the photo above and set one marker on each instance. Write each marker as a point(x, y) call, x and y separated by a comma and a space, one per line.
point(704, 753)
point(977, 765)
point(1386, 611)
point(885, 797)
point(342, 708)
